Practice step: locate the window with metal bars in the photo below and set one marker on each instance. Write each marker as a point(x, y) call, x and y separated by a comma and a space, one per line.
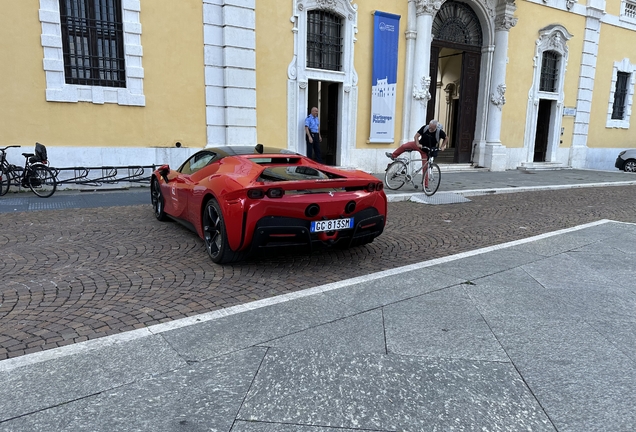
point(92, 40)
point(630, 9)
point(620, 95)
point(324, 40)
point(549, 71)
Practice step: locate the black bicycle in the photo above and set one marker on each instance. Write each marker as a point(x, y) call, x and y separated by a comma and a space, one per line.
point(35, 175)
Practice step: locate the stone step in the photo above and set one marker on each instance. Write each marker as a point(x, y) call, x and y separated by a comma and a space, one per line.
point(453, 167)
point(542, 166)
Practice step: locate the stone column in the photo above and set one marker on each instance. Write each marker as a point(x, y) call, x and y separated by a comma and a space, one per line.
point(411, 34)
point(495, 157)
point(425, 9)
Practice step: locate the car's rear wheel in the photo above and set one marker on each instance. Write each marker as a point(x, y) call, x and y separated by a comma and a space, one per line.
point(215, 235)
point(630, 166)
point(157, 200)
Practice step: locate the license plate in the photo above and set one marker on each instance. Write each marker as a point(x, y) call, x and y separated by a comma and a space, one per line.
point(331, 225)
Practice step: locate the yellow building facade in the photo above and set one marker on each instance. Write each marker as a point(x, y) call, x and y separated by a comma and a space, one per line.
point(516, 84)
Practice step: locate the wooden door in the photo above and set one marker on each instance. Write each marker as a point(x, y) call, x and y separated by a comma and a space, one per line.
point(468, 92)
point(432, 89)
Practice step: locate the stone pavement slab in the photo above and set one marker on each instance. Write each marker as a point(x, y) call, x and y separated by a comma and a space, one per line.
point(60, 380)
point(390, 393)
point(528, 345)
point(199, 397)
point(452, 327)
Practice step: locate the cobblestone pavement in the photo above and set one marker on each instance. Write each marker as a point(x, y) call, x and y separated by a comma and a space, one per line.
point(76, 274)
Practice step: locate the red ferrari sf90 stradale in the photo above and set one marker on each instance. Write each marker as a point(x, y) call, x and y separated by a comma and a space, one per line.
point(241, 199)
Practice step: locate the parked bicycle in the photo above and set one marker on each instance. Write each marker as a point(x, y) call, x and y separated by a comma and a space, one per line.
point(35, 175)
point(428, 175)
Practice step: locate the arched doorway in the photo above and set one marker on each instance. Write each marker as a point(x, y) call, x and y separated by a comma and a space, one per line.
point(545, 98)
point(455, 65)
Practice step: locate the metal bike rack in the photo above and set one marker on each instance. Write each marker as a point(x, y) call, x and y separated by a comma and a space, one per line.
point(98, 176)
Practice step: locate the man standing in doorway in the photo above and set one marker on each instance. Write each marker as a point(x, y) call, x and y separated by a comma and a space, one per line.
point(312, 135)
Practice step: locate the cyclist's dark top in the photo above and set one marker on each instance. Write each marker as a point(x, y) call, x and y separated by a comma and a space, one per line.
point(427, 138)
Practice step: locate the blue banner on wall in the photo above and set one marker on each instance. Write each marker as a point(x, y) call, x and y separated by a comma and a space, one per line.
point(385, 57)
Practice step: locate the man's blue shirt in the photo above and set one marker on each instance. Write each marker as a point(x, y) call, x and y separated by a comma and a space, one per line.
point(313, 123)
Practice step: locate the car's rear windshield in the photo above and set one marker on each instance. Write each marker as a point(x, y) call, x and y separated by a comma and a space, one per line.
point(291, 173)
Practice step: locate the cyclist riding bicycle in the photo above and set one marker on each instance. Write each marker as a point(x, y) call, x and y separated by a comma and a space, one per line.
point(428, 138)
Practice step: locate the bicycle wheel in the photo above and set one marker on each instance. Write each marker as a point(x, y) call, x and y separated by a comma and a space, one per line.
point(5, 181)
point(432, 179)
point(395, 175)
point(41, 180)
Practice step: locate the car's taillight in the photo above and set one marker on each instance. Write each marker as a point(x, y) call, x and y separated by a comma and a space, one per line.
point(255, 194)
point(271, 193)
point(375, 187)
point(275, 193)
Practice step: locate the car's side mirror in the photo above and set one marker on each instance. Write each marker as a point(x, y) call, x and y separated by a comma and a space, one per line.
point(164, 170)
point(259, 148)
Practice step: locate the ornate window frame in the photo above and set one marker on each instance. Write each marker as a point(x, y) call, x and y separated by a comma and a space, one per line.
point(299, 75)
point(56, 88)
point(551, 38)
point(621, 66)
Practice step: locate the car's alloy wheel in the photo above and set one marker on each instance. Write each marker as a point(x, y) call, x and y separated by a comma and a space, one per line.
point(630, 166)
point(157, 200)
point(215, 235)
point(213, 230)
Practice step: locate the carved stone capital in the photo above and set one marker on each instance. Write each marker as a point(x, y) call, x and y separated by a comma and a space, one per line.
point(422, 94)
point(499, 99)
point(505, 18)
point(505, 22)
point(429, 7)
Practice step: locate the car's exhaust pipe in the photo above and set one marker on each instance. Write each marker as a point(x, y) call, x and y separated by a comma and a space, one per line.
point(312, 210)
